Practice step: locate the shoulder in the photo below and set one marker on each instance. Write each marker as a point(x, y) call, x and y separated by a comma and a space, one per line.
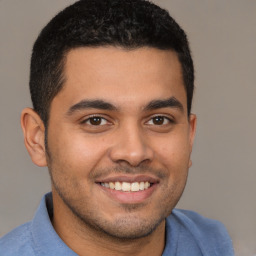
point(194, 220)
point(17, 242)
point(210, 235)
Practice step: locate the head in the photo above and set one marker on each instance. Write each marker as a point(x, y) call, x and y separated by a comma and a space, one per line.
point(112, 83)
point(128, 24)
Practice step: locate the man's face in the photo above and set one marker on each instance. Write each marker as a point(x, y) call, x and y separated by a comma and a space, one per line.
point(119, 139)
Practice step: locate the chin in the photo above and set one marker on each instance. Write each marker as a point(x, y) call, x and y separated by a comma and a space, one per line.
point(128, 229)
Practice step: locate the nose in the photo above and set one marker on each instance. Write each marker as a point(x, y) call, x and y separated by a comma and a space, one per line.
point(131, 146)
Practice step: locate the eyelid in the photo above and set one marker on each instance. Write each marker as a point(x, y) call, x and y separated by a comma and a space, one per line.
point(167, 117)
point(87, 118)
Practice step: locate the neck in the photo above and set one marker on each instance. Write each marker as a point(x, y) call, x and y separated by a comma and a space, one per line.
point(85, 240)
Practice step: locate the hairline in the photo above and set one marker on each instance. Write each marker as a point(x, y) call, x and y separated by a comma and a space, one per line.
point(63, 61)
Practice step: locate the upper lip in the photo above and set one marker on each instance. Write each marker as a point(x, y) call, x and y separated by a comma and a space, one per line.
point(129, 178)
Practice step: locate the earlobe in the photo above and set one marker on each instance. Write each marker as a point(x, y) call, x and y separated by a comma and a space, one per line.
point(190, 163)
point(192, 122)
point(192, 132)
point(34, 132)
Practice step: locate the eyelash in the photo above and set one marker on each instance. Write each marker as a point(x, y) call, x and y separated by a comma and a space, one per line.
point(94, 116)
point(166, 120)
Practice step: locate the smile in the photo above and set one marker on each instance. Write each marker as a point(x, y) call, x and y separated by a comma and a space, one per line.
point(127, 186)
point(128, 189)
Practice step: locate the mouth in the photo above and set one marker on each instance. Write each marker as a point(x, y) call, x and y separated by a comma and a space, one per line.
point(127, 189)
point(127, 186)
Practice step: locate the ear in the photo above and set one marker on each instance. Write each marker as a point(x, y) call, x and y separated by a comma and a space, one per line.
point(192, 132)
point(34, 132)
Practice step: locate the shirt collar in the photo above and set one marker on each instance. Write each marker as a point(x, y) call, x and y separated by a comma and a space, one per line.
point(47, 240)
point(44, 236)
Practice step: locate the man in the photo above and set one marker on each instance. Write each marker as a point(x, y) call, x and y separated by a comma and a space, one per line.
point(112, 84)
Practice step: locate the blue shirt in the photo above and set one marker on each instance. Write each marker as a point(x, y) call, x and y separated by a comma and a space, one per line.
point(187, 233)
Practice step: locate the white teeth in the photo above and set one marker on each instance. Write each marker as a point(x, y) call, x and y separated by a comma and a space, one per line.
point(126, 186)
point(135, 186)
point(112, 185)
point(118, 186)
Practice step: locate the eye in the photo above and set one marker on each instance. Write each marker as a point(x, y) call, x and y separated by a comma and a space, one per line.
point(159, 120)
point(95, 121)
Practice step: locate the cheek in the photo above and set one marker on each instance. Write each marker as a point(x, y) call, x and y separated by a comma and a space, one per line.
point(74, 153)
point(173, 152)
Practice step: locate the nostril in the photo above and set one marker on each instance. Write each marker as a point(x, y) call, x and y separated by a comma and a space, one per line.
point(131, 147)
point(133, 163)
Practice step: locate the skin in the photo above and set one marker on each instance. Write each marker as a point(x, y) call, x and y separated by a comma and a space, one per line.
point(142, 131)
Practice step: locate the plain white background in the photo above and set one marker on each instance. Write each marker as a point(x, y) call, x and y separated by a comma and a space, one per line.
point(222, 180)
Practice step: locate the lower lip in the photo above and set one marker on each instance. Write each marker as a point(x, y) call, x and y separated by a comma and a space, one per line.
point(129, 197)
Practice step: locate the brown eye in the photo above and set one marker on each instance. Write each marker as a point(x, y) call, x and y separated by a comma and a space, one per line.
point(158, 120)
point(96, 120)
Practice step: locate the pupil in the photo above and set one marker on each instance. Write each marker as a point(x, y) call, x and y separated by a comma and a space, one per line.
point(158, 120)
point(95, 120)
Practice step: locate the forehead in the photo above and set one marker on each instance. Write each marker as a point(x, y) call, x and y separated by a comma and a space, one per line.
point(120, 75)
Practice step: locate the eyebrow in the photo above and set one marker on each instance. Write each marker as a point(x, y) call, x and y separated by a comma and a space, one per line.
point(100, 104)
point(167, 103)
point(87, 104)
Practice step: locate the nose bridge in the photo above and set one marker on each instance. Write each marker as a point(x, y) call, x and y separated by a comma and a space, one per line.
point(131, 145)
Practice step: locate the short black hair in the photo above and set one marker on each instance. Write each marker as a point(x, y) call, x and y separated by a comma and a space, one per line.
point(129, 24)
